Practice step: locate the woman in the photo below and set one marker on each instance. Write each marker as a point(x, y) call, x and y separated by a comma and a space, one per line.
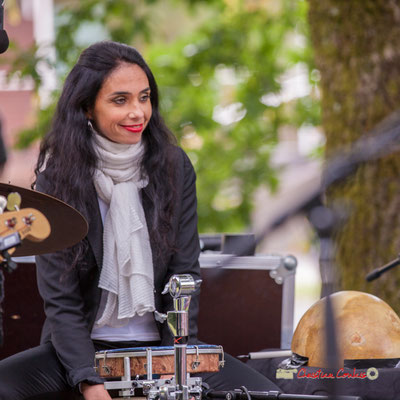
point(110, 155)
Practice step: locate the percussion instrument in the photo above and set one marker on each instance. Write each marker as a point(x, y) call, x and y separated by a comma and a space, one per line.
point(367, 328)
point(180, 359)
point(201, 358)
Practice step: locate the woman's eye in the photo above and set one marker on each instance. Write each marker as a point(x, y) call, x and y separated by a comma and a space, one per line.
point(119, 100)
point(145, 98)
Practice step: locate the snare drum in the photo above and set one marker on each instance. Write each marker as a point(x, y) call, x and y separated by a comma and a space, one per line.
point(201, 358)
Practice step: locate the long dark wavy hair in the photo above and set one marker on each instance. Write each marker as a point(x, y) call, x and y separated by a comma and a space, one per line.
point(67, 153)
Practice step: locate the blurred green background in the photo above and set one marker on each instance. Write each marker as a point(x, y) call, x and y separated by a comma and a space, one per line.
point(222, 67)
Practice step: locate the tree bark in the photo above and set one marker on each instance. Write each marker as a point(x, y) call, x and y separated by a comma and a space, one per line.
point(357, 51)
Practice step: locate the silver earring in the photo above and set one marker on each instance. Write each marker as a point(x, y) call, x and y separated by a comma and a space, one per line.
point(89, 122)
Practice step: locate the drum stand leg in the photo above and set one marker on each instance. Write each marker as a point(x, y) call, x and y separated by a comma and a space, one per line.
point(149, 366)
point(127, 369)
point(127, 393)
point(181, 372)
point(178, 324)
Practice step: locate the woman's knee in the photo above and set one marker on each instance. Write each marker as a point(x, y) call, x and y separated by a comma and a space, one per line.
point(32, 372)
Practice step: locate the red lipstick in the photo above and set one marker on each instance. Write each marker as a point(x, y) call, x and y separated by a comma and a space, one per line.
point(133, 128)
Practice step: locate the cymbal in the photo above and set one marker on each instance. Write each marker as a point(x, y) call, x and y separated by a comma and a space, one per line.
point(68, 226)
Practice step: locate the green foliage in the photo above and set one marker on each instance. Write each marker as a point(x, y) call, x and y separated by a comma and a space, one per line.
point(233, 59)
point(213, 68)
point(121, 20)
point(24, 64)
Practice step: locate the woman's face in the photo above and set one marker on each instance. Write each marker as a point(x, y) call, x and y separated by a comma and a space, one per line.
point(122, 108)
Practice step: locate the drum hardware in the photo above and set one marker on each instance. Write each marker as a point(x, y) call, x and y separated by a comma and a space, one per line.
point(196, 362)
point(211, 358)
point(181, 386)
point(149, 365)
point(151, 386)
point(180, 287)
point(244, 394)
point(259, 355)
point(105, 367)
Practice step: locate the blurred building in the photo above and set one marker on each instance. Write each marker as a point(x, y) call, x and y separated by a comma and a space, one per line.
point(27, 22)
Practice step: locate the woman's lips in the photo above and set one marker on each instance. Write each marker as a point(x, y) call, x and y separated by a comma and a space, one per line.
point(133, 128)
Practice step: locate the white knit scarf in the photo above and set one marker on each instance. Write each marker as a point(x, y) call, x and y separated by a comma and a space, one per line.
point(127, 271)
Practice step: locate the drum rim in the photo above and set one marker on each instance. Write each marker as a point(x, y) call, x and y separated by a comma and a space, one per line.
point(157, 351)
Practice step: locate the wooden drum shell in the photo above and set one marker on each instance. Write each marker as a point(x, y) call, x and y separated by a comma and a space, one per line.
point(110, 364)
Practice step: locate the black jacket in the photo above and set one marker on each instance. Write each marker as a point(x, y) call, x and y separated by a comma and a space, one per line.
point(71, 299)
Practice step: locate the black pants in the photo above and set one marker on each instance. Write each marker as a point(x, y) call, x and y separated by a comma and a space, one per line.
point(37, 374)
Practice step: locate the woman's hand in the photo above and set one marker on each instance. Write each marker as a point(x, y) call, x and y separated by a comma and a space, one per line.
point(94, 392)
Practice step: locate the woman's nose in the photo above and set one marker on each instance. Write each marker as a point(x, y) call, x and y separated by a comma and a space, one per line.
point(136, 113)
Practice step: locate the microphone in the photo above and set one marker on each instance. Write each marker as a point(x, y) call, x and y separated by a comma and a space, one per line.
point(4, 42)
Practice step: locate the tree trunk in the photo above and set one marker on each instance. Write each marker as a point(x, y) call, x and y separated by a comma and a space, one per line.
point(357, 51)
